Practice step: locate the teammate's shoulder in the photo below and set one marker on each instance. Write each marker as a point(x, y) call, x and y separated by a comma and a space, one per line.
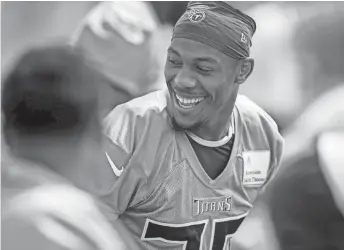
point(66, 209)
point(28, 236)
point(331, 161)
point(321, 157)
point(21, 174)
point(329, 144)
point(252, 114)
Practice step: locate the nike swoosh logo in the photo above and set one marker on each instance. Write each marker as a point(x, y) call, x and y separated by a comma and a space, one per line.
point(117, 171)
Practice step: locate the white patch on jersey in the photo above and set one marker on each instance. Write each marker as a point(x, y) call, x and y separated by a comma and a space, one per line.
point(256, 165)
point(118, 172)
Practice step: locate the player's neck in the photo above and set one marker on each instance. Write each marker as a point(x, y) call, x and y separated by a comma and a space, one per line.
point(214, 130)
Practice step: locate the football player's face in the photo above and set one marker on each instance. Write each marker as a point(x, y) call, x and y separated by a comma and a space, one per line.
point(201, 83)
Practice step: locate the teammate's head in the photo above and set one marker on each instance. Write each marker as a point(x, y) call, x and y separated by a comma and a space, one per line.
point(50, 95)
point(118, 37)
point(169, 12)
point(207, 61)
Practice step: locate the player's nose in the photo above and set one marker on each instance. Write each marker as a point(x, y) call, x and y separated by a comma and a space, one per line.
point(184, 79)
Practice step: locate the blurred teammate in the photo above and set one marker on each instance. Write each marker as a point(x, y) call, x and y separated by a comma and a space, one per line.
point(322, 115)
point(123, 40)
point(53, 130)
point(189, 161)
point(306, 200)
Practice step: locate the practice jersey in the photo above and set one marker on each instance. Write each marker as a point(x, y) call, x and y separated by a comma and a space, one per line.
point(41, 210)
point(162, 193)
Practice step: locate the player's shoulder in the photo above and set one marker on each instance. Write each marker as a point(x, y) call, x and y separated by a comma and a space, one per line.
point(62, 208)
point(134, 117)
point(253, 115)
point(259, 134)
point(154, 102)
point(147, 106)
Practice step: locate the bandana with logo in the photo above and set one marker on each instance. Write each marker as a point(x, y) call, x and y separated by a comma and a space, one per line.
point(218, 25)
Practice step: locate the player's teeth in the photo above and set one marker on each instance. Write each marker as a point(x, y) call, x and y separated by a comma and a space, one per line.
point(186, 107)
point(189, 101)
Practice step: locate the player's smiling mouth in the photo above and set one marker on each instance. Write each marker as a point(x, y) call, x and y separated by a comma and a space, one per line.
point(188, 102)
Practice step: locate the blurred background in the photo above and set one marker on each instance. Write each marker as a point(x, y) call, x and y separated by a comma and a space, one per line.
point(298, 52)
point(297, 47)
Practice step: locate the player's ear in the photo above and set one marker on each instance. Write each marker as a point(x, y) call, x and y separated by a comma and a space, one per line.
point(245, 70)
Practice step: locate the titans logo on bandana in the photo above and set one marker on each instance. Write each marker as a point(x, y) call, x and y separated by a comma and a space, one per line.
point(196, 16)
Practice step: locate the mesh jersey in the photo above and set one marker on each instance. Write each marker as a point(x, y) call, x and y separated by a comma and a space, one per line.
point(161, 192)
point(41, 210)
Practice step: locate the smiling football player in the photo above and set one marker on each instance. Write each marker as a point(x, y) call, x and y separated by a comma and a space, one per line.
point(188, 162)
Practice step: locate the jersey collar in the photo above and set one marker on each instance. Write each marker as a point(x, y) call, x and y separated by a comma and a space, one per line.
point(213, 144)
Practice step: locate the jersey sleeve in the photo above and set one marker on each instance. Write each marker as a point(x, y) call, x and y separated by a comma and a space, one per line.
point(123, 130)
point(277, 148)
point(262, 130)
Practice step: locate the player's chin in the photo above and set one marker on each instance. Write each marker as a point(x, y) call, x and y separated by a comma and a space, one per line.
point(185, 121)
point(182, 123)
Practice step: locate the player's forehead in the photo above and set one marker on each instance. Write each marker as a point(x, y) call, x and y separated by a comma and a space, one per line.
point(193, 50)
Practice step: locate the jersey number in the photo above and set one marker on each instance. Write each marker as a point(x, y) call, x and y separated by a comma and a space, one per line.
point(191, 234)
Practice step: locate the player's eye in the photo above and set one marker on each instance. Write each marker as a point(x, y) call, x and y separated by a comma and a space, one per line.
point(174, 61)
point(204, 70)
